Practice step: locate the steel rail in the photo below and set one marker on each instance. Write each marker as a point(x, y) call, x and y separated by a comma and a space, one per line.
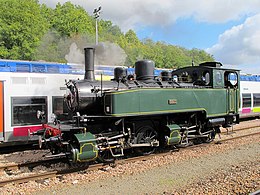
point(240, 129)
point(237, 137)
point(29, 164)
point(99, 166)
point(27, 178)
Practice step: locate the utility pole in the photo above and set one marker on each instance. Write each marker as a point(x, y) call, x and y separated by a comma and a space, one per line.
point(96, 13)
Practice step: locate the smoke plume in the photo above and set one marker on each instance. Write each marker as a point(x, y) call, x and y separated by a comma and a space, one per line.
point(110, 54)
point(106, 53)
point(75, 55)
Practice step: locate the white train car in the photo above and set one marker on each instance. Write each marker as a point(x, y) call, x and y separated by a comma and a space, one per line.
point(26, 87)
point(250, 96)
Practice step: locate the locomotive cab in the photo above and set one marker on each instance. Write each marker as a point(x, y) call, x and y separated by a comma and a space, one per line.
point(211, 76)
point(208, 74)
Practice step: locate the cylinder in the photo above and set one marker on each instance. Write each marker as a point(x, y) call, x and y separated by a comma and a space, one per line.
point(216, 122)
point(89, 63)
point(144, 70)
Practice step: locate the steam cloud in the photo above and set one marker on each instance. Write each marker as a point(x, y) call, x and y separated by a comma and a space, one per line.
point(110, 54)
point(75, 55)
point(106, 53)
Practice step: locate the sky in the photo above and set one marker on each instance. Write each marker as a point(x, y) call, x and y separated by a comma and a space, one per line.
point(227, 29)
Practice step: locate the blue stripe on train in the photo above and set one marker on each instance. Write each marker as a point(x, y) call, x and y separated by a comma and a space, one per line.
point(61, 68)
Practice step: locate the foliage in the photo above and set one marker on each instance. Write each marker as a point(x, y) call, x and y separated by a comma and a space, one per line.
point(22, 26)
point(108, 31)
point(69, 19)
point(31, 31)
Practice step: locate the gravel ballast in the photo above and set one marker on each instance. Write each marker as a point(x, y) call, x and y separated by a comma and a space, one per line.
point(234, 171)
point(228, 168)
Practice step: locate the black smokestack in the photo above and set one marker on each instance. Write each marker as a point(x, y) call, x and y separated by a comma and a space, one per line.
point(89, 63)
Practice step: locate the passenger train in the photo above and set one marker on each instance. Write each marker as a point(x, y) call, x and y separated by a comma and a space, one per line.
point(250, 96)
point(27, 86)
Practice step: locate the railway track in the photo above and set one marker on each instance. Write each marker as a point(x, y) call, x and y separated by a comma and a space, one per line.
point(232, 130)
point(232, 138)
point(10, 167)
point(100, 166)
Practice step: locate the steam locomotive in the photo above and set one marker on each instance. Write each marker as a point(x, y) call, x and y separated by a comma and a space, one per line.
point(139, 113)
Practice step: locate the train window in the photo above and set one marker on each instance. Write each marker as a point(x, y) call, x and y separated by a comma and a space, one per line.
point(218, 78)
point(24, 110)
point(195, 75)
point(38, 68)
point(22, 67)
point(256, 97)
point(58, 106)
point(53, 69)
point(175, 78)
point(231, 79)
point(246, 100)
point(206, 77)
point(186, 77)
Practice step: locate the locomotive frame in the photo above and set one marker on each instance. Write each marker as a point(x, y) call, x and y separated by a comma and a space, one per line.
point(138, 115)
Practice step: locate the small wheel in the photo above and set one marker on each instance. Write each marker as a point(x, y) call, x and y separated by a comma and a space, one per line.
point(211, 137)
point(146, 134)
point(72, 156)
point(105, 157)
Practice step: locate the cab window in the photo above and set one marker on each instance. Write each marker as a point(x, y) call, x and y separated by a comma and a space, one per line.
point(231, 79)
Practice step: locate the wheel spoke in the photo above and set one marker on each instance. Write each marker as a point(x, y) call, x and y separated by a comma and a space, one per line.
point(145, 135)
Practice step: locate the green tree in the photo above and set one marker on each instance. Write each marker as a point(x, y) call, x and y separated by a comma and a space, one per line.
point(132, 38)
point(200, 56)
point(32, 31)
point(69, 19)
point(109, 32)
point(132, 46)
point(49, 49)
point(22, 26)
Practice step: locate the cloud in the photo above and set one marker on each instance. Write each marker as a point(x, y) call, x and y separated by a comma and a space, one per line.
point(240, 44)
point(135, 14)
